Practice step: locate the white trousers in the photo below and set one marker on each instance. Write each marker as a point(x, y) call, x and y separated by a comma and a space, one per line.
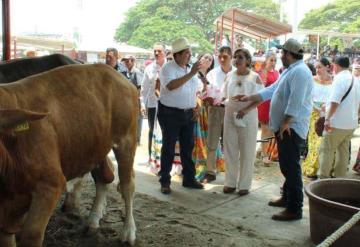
point(239, 151)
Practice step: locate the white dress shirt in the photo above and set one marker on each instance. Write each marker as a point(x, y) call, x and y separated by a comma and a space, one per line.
point(183, 97)
point(217, 77)
point(151, 73)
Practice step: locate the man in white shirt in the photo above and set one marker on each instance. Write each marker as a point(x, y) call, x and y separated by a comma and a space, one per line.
point(340, 121)
point(149, 82)
point(216, 77)
point(175, 114)
point(135, 77)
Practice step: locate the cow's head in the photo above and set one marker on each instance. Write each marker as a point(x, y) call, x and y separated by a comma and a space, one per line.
point(12, 205)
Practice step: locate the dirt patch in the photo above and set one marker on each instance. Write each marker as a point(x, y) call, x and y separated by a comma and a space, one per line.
point(158, 224)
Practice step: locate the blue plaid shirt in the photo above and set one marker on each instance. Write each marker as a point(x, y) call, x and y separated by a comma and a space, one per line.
point(291, 95)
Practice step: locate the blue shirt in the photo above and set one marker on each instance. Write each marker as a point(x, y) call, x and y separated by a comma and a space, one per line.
point(291, 95)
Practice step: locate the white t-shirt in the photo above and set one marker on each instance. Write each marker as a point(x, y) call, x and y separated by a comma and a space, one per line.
point(346, 115)
point(183, 97)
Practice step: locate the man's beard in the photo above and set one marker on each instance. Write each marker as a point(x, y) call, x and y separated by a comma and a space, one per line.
point(285, 63)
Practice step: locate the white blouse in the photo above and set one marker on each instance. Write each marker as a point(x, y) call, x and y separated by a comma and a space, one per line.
point(239, 84)
point(321, 92)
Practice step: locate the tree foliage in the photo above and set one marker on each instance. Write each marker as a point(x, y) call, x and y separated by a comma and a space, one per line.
point(339, 16)
point(151, 21)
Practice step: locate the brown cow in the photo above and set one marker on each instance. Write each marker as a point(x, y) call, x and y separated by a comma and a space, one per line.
point(54, 127)
point(103, 174)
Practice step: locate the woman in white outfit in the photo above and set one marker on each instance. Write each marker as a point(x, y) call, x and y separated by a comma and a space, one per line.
point(240, 124)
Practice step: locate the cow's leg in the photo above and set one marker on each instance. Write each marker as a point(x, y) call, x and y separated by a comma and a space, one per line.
point(124, 152)
point(44, 200)
point(72, 196)
point(102, 175)
point(7, 239)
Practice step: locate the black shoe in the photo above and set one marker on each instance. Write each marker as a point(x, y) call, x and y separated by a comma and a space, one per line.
point(165, 189)
point(208, 178)
point(287, 215)
point(193, 185)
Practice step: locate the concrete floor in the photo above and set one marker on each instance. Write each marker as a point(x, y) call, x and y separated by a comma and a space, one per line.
point(250, 211)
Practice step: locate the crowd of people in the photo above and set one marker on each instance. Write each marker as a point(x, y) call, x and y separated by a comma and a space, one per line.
point(204, 118)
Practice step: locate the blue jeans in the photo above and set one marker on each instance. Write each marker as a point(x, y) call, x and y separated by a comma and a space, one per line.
point(176, 124)
point(289, 158)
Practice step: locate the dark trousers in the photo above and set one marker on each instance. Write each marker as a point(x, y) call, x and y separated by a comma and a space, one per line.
point(151, 121)
point(176, 124)
point(289, 158)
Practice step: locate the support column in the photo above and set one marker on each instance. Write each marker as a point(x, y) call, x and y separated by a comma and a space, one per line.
point(6, 30)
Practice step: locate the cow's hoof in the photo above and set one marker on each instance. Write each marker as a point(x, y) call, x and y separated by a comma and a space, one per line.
point(129, 237)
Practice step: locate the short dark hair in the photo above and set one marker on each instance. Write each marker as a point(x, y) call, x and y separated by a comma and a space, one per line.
point(312, 68)
point(294, 55)
point(226, 49)
point(343, 62)
point(324, 61)
point(246, 53)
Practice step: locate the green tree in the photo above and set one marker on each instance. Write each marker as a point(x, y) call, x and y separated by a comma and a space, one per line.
point(164, 20)
point(339, 16)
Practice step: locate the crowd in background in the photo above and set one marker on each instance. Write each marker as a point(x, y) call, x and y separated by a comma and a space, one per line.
point(204, 119)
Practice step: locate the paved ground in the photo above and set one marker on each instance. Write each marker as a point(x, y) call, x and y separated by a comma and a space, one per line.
point(250, 211)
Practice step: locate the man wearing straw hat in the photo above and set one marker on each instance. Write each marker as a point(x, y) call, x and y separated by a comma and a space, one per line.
point(176, 114)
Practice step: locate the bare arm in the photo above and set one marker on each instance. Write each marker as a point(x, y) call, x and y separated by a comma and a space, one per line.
point(332, 110)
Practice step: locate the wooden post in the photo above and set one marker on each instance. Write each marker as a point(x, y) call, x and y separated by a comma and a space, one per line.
point(6, 30)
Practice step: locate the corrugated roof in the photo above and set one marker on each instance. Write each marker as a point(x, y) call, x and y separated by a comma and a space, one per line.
point(252, 25)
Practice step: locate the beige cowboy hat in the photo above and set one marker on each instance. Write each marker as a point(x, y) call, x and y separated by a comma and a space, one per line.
point(180, 44)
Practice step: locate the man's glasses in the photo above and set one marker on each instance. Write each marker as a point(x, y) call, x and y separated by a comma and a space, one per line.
point(223, 57)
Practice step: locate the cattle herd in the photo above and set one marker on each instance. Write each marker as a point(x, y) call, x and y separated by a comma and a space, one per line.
point(58, 121)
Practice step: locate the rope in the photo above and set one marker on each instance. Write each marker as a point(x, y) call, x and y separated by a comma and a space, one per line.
point(341, 231)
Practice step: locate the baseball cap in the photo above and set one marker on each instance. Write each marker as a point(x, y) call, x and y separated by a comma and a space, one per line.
point(292, 45)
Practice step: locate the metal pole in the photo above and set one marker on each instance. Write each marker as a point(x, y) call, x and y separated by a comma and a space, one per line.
point(216, 36)
point(6, 30)
point(62, 49)
point(232, 29)
point(318, 47)
point(221, 30)
point(15, 47)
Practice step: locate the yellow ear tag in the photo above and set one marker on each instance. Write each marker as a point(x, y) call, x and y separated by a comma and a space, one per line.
point(21, 127)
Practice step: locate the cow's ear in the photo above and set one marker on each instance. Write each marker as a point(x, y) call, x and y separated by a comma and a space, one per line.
point(11, 118)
